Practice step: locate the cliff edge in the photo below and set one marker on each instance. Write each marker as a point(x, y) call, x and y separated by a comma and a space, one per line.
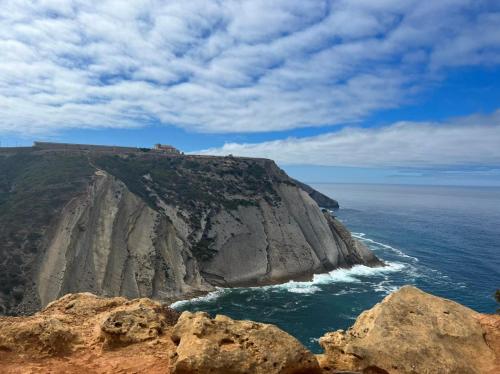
point(408, 332)
point(140, 223)
point(321, 199)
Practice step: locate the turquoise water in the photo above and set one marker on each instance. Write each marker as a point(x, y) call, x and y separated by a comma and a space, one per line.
point(444, 240)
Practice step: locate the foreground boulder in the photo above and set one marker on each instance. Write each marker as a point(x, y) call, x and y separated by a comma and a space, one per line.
point(411, 331)
point(225, 346)
point(85, 333)
point(135, 325)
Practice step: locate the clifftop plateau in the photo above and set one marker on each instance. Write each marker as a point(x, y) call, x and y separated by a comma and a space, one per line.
point(155, 223)
point(408, 332)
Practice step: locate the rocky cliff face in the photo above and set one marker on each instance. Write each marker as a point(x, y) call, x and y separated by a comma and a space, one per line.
point(149, 225)
point(409, 332)
point(322, 200)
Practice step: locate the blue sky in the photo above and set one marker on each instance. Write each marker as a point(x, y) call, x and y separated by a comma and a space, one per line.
point(343, 91)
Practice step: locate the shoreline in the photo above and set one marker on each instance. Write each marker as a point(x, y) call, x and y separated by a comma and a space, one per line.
point(309, 280)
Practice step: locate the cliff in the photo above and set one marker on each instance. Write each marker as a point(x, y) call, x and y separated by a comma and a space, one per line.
point(408, 332)
point(322, 200)
point(143, 224)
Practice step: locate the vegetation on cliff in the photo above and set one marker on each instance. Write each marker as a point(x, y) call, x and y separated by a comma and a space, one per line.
point(198, 185)
point(195, 183)
point(33, 189)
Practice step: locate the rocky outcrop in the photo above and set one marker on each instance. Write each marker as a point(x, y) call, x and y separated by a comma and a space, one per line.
point(408, 332)
point(267, 244)
point(159, 226)
point(411, 331)
point(85, 333)
point(224, 346)
point(322, 200)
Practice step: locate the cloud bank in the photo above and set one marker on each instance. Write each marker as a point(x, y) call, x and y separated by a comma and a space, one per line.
point(465, 142)
point(228, 65)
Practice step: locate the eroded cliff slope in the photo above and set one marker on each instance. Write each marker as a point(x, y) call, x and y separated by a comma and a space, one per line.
point(140, 224)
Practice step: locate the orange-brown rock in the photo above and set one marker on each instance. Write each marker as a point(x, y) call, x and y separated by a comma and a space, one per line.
point(225, 346)
point(490, 324)
point(408, 332)
point(124, 327)
point(83, 333)
point(411, 331)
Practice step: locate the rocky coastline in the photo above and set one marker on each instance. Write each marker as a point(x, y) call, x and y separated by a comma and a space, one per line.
point(167, 226)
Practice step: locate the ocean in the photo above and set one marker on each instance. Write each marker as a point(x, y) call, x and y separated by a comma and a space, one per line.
point(444, 240)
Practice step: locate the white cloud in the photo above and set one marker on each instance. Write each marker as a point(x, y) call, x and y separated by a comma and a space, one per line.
point(228, 66)
point(468, 141)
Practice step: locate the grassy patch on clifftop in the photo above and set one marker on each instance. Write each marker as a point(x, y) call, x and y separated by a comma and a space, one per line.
point(193, 183)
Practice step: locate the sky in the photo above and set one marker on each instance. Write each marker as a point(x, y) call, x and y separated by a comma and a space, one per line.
point(363, 91)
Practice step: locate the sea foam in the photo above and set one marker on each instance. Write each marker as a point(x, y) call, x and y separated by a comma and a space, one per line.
point(211, 296)
point(354, 274)
point(349, 275)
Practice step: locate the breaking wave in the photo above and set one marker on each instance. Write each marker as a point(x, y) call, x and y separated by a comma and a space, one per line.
point(351, 275)
point(377, 278)
point(211, 296)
